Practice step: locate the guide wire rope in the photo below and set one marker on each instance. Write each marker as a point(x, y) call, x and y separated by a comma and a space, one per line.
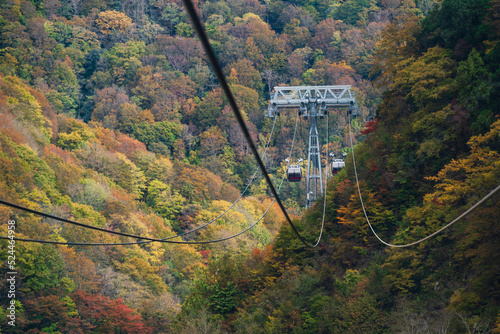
point(163, 239)
point(225, 87)
point(148, 240)
point(237, 200)
point(491, 193)
point(200, 31)
point(326, 184)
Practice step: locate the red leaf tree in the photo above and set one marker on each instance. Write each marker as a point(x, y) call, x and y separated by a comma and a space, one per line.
point(104, 315)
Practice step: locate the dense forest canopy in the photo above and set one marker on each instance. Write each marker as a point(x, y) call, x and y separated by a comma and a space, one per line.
point(110, 115)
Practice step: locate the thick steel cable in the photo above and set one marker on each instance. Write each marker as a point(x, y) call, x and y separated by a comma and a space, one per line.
point(222, 80)
point(237, 200)
point(164, 239)
point(69, 243)
point(139, 242)
point(472, 208)
point(149, 240)
point(279, 188)
point(200, 31)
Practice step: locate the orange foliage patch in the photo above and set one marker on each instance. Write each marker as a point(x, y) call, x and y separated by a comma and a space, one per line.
point(119, 142)
point(10, 126)
point(66, 156)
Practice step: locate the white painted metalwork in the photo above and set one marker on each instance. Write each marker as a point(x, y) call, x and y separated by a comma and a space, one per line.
point(303, 96)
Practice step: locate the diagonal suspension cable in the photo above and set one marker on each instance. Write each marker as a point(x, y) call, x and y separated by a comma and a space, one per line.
point(140, 242)
point(472, 208)
point(326, 184)
point(218, 71)
point(237, 200)
point(164, 239)
point(200, 31)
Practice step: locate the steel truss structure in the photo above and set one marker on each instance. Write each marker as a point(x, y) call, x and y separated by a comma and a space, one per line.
point(313, 103)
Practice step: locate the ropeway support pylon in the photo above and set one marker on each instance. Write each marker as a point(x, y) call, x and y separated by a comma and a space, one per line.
point(313, 103)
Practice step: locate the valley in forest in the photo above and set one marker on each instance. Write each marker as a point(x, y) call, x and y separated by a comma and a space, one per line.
point(111, 116)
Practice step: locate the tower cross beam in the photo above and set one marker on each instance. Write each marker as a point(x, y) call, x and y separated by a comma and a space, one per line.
point(301, 96)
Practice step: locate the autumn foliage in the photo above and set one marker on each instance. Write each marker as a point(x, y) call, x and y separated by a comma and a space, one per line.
point(110, 115)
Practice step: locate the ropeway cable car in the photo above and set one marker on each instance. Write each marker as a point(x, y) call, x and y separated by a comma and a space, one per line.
point(294, 173)
point(337, 165)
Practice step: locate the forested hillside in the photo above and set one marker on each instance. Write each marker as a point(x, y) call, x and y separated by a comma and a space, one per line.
point(110, 115)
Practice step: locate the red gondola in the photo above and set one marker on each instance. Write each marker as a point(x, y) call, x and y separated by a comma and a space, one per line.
point(294, 174)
